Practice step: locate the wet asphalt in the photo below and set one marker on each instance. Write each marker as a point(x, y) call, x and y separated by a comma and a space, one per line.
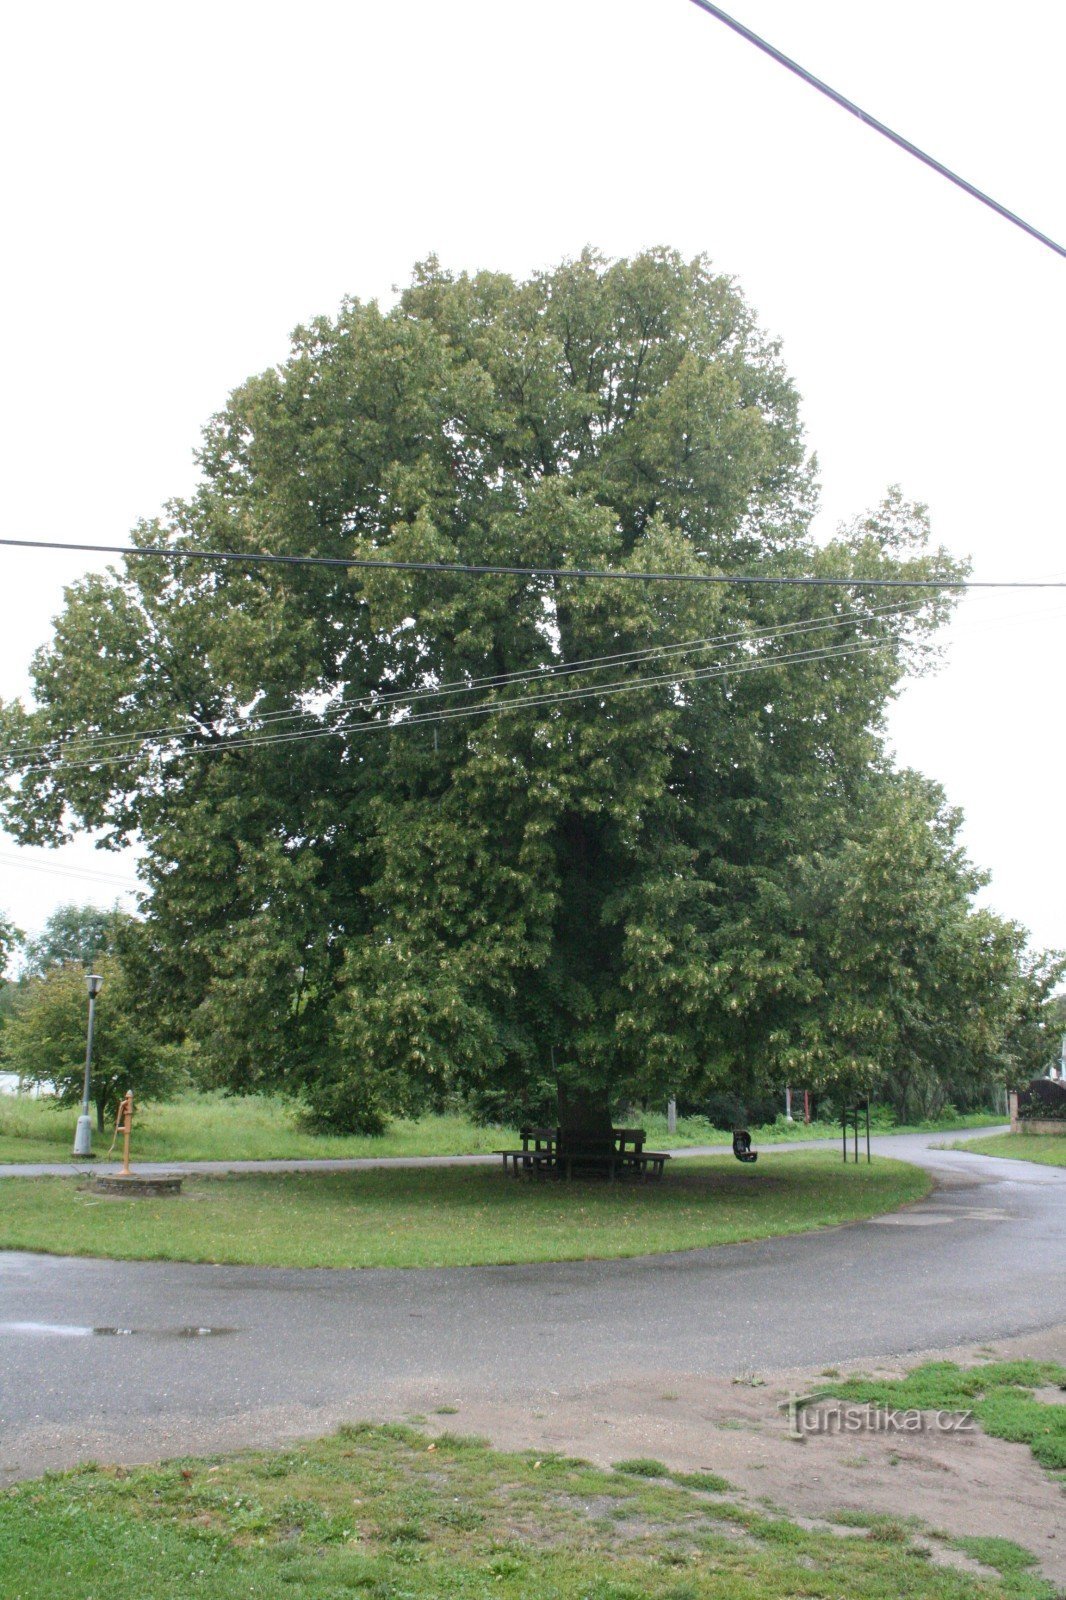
point(129, 1361)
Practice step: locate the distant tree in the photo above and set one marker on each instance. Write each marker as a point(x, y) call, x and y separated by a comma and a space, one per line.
point(1055, 1015)
point(10, 938)
point(75, 933)
point(914, 995)
point(44, 1041)
point(1034, 1041)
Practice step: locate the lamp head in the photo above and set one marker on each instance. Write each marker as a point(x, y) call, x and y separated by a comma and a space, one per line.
point(94, 983)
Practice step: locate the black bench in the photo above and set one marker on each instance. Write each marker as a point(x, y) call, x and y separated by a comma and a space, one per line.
point(742, 1145)
point(543, 1152)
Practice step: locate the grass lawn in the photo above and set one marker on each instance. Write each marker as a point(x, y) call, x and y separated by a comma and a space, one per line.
point(388, 1513)
point(999, 1393)
point(1049, 1149)
point(214, 1127)
point(452, 1216)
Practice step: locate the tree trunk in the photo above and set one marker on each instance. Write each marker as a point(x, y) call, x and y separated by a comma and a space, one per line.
point(585, 1120)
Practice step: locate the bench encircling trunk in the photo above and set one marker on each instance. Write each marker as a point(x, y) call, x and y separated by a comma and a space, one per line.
point(546, 1152)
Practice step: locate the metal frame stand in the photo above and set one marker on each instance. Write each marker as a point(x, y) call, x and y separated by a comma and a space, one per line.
point(849, 1118)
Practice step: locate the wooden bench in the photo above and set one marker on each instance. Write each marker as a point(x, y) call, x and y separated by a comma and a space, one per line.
point(632, 1156)
point(544, 1153)
point(537, 1155)
point(626, 1157)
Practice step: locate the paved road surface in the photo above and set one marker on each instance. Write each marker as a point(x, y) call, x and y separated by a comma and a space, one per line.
point(293, 1352)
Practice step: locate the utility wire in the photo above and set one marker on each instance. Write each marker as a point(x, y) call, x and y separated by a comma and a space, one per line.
point(473, 569)
point(85, 874)
point(516, 703)
point(548, 673)
point(492, 707)
point(878, 127)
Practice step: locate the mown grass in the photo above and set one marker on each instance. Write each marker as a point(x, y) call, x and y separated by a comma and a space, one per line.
point(452, 1216)
point(389, 1513)
point(1000, 1395)
point(216, 1127)
point(1048, 1149)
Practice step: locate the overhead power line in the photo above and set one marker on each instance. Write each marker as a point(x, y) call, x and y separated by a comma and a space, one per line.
point(878, 126)
point(9, 858)
point(481, 569)
point(490, 707)
point(68, 743)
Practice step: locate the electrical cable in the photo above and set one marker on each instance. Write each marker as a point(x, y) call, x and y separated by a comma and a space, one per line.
point(549, 672)
point(523, 703)
point(88, 874)
point(878, 126)
point(471, 569)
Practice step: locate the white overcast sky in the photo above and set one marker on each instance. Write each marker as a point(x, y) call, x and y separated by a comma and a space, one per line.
point(185, 184)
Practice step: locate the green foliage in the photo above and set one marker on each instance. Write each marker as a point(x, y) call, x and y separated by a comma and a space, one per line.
point(695, 883)
point(918, 997)
point(45, 1040)
point(10, 938)
point(75, 933)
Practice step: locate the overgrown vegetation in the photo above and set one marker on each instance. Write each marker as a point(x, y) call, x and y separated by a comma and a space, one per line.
point(388, 1512)
point(452, 1216)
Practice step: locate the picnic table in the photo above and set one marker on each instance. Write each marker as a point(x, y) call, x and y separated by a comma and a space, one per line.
point(545, 1153)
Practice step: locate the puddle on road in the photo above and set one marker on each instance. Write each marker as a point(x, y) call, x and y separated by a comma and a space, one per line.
point(73, 1330)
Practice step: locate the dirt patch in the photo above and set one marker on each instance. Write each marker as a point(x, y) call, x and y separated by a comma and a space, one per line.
point(954, 1484)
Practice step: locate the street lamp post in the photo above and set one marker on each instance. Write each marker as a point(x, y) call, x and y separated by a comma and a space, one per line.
point(83, 1136)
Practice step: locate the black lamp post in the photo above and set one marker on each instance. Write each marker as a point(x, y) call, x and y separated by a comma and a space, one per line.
point(83, 1136)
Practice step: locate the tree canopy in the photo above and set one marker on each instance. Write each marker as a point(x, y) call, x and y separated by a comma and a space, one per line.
point(74, 933)
point(408, 831)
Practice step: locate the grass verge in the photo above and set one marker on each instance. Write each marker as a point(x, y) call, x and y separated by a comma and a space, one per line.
point(216, 1127)
point(1000, 1395)
point(387, 1512)
point(1049, 1149)
point(452, 1216)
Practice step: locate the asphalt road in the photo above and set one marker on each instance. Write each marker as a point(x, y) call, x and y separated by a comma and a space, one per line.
point(113, 1360)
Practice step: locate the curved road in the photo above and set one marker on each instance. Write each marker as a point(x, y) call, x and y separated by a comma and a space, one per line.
point(97, 1358)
